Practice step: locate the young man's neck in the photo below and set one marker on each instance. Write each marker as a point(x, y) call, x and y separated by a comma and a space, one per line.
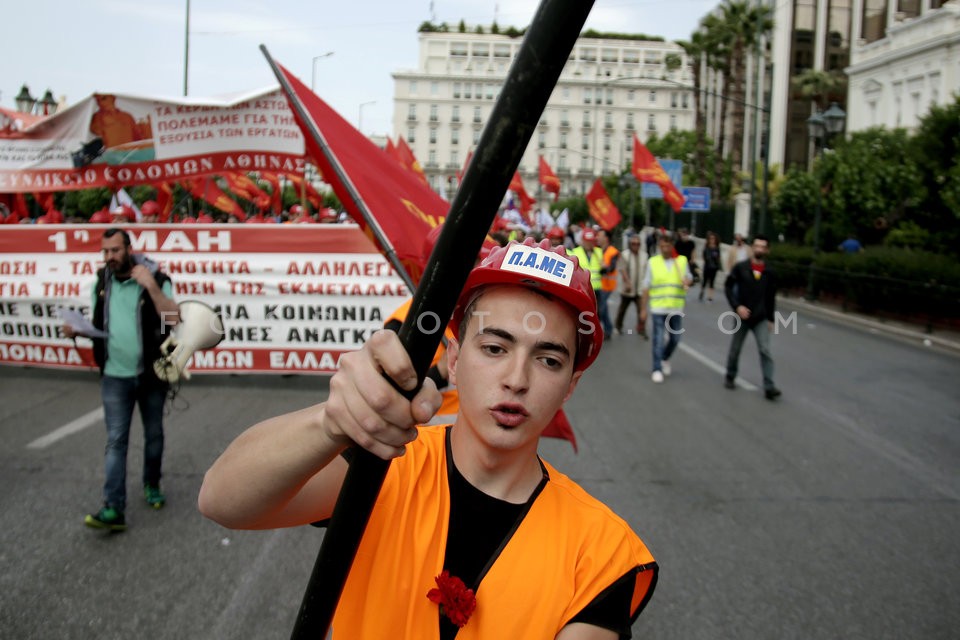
point(510, 475)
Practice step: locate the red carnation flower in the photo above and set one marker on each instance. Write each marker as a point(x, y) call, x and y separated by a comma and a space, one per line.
point(456, 601)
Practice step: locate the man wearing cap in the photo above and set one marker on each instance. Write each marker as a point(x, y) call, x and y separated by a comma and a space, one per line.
point(591, 259)
point(473, 535)
point(664, 296)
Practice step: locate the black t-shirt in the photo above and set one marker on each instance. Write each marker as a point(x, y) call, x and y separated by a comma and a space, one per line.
point(481, 525)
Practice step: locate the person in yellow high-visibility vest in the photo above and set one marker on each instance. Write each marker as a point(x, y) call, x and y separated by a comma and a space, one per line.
point(664, 295)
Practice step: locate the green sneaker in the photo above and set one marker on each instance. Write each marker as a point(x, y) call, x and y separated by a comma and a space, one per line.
point(107, 518)
point(154, 496)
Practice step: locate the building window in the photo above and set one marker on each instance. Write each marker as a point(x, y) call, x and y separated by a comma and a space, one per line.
point(466, 90)
point(476, 114)
point(432, 158)
point(490, 91)
point(606, 142)
point(455, 136)
point(564, 118)
point(565, 94)
point(586, 118)
point(456, 113)
point(476, 136)
point(584, 163)
point(585, 141)
point(652, 97)
point(411, 137)
point(651, 123)
point(587, 95)
point(629, 145)
point(630, 120)
point(456, 89)
point(501, 51)
point(563, 140)
point(673, 123)
point(609, 96)
point(433, 113)
point(541, 139)
point(455, 158)
point(673, 99)
point(631, 95)
point(434, 88)
point(433, 135)
point(411, 112)
point(608, 119)
point(562, 162)
point(413, 87)
point(685, 101)
point(458, 49)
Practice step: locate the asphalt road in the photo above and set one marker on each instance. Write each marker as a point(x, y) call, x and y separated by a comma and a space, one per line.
point(831, 513)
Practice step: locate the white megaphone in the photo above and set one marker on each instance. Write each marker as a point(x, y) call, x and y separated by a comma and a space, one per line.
point(200, 327)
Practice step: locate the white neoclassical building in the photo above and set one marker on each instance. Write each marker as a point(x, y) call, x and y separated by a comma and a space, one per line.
point(906, 59)
point(609, 90)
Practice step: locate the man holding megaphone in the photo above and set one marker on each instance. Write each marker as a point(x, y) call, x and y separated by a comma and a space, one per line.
point(133, 311)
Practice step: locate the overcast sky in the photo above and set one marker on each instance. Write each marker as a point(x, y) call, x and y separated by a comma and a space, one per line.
point(128, 46)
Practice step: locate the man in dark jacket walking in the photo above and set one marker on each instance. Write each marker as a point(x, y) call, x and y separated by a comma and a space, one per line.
point(751, 289)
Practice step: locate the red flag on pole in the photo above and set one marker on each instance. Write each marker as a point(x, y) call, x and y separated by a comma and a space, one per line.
point(466, 163)
point(164, 200)
point(394, 206)
point(647, 169)
point(549, 179)
point(242, 185)
point(276, 194)
point(407, 159)
point(601, 207)
point(526, 202)
point(206, 189)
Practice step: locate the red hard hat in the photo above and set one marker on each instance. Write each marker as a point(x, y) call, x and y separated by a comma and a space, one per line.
point(204, 218)
point(101, 217)
point(126, 212)
point(150, 208)
point(550, 270)
point(589, 235)
point(555, 232)
point(296, 209)
point(329, 214)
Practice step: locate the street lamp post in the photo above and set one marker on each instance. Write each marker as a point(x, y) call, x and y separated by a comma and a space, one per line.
point(313, 69)
point(360, 114)
point(821, 128)
point(24, 100)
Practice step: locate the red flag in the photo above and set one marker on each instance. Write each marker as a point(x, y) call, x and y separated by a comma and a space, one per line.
point(407, 159)
point(549, 179)
point(206, 189)
point(526, 202)
point(395, 201)
point(302, 186)
point(276, 194)
point(242, 185)
point(601, 206)
point(647, 169)
point(392, 150)
point(164, 200)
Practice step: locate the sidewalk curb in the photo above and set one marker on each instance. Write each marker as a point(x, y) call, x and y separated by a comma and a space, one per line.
point(800, 304)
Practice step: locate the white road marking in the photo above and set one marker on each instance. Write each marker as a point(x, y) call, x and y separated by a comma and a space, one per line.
point(710, 364)
point(70, 428)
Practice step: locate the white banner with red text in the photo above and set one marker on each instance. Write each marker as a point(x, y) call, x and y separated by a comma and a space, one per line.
point(117, 140)
point(293, 298)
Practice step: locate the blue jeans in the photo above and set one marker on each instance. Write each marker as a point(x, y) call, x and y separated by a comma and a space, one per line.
point(670, 324)
point(119, 395)
point(761, 331)
point(603, 297)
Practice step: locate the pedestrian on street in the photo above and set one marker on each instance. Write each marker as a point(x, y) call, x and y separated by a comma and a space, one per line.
point(632, 268)
point(711, 264)
point(664, 290)
point(608, 279)
point(133, 304)
point(471, 525)
point(751, 289)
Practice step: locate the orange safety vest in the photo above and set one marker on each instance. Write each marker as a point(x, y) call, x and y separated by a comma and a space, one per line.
point(568, 548)
point(608, 282)
point(450, 404)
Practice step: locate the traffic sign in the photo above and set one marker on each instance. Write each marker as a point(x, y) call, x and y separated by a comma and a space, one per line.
point(696, 198)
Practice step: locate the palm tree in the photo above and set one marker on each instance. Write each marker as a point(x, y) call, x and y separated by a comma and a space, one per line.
point(717, 39)
point(820, 87)
point(695, 51)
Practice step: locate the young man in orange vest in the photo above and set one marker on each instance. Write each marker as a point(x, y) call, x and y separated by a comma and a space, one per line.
point(608, 280)
point(473, 535)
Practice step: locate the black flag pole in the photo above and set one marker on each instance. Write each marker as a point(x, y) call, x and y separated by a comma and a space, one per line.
point(546, 46)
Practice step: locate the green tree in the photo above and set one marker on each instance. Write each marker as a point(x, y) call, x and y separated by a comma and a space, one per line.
point(794, 205)
point(870, 182)
point(935, 148)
